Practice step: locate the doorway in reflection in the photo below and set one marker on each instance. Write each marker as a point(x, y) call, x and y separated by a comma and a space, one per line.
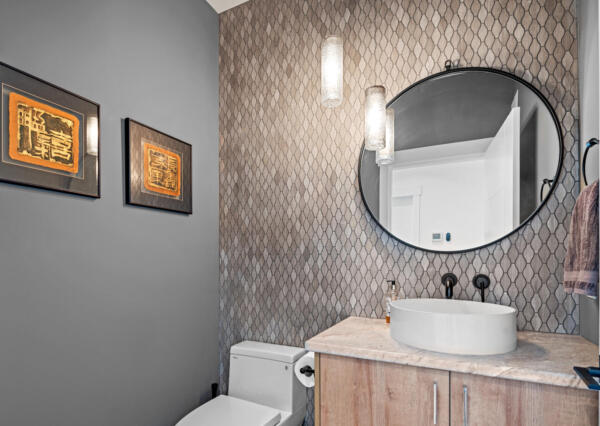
point(457, 195)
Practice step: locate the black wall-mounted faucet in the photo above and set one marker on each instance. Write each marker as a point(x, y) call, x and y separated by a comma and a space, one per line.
point(449, 280)
point(481, 282)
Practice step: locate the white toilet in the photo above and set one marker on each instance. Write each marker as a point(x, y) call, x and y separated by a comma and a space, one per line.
point(263, 390)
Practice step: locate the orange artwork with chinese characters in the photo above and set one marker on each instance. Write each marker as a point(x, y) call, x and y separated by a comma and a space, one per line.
point(42, 135)
point(162, 170)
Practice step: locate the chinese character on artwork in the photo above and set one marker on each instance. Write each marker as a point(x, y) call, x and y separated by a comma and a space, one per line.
point(162, 170)
point(43, 135)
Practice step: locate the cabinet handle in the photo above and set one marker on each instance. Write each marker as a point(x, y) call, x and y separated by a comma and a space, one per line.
point(465, 406)
point(435, 403)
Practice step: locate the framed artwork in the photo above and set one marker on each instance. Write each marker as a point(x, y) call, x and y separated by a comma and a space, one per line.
point(49, 137)
point(159, 169)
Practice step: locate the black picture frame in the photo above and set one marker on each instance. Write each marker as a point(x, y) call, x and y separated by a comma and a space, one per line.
point(555, 179)
point(149, 185)
point(65, 161)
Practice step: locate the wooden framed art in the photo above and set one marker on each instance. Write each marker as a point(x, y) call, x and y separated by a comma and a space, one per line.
point(159, 169)
point(49, 137)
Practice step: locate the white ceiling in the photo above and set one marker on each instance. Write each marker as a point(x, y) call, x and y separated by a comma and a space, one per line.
point(223, 5)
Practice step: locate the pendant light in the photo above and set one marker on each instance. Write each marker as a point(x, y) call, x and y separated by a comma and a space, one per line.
point(375, 118)
point(385, 155)
point(332, 71)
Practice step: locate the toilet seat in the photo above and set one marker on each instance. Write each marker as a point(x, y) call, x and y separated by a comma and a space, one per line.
point(230, 411)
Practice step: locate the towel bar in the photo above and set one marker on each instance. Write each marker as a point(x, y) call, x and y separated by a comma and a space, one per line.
point(588, 145)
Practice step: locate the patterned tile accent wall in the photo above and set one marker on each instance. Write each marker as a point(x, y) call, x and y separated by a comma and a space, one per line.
point(298, 251)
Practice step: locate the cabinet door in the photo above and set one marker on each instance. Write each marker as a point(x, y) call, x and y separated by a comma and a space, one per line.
point(492, 401)
point(359, 392)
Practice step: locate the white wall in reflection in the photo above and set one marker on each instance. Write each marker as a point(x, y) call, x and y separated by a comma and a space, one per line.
point(466, 190)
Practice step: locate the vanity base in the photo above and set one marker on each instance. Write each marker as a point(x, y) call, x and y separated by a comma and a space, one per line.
point(492, 401)
point(361, 392)
point(352, 391)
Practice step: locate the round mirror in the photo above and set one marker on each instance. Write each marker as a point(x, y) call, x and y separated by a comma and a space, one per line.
point(477, 152)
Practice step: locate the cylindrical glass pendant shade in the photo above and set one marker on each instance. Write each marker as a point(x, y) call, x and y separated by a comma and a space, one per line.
point(386, 154)
point(375, 118)
point(332, 71)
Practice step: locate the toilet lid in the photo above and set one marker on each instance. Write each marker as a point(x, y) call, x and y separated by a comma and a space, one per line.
point(230, 411)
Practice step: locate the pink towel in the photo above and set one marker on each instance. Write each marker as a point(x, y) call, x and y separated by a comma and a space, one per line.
point(581, 262)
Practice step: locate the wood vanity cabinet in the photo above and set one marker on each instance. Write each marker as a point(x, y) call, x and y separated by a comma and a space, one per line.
point(491, 401)
point(351, 391)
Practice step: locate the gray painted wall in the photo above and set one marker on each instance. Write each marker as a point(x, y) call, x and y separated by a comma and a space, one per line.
point(589, 127)
point(104, 320)
point(587, 41)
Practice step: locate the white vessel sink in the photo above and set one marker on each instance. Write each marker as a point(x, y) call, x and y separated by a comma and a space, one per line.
point(454, 326)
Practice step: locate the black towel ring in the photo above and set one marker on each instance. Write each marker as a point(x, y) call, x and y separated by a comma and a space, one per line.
point(588, 145)
point(545, 182)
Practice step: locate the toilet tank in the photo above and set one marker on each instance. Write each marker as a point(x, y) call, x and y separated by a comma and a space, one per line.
point(264, 373)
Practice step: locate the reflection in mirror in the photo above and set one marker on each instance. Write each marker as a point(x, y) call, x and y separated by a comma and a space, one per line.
point(92, 136)
point(476, 153)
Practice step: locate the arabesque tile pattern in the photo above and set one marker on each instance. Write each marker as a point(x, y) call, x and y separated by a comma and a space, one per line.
point(298, 252)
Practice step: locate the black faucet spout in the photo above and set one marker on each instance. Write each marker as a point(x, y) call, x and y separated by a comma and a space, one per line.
point(481, 282)
point(448, 290)
point(449, 280)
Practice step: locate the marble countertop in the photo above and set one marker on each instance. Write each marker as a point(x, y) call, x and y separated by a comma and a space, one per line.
point(545, 358)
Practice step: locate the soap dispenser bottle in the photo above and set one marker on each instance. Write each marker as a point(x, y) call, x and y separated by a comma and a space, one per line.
point(390, 296)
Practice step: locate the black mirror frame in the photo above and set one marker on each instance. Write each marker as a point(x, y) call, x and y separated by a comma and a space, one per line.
point(532, 215)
